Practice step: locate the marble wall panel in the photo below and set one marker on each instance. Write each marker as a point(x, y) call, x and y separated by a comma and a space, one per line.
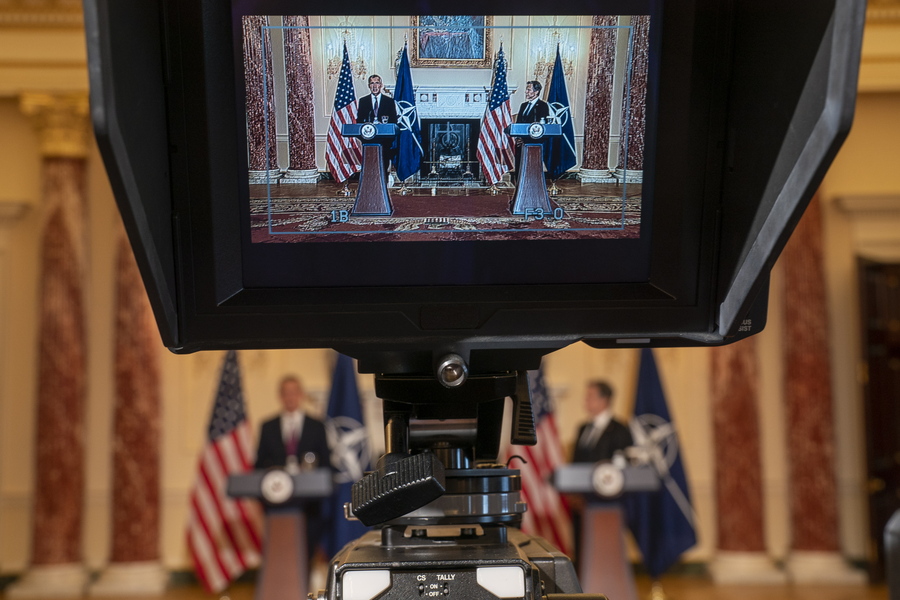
point(808, 396)
point(739, 493)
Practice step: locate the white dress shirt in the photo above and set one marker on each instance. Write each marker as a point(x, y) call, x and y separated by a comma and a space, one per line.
point(592, 434)
point(291, 425)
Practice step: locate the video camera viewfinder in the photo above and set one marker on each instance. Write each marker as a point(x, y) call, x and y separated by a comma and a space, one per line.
point(733, 149)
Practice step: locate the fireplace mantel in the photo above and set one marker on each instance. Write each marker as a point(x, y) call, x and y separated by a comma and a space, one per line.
point(452, 101)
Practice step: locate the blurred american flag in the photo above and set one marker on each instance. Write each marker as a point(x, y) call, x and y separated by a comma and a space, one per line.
point(222, 533)
point(548, 514)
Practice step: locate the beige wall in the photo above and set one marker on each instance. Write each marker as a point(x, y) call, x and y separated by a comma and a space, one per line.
point(854, 225)
point(861, 195)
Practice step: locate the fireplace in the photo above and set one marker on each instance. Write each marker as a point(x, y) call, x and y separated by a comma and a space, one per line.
point(451, 147)
point(450, 118)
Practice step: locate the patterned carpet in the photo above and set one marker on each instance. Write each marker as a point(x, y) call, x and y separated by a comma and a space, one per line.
point(442, 217)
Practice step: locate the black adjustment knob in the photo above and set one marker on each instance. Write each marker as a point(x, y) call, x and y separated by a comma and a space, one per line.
point(523, 431)
point(396, 487)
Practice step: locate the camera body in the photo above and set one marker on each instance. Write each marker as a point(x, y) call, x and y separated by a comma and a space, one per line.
point(447, 515)
point(479, 562)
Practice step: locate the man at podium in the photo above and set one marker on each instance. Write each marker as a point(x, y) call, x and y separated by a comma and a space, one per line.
point(600, 548)
point(533, 110)
point(296, 441)
point(378, 107)
point(601, 437)
point(293, 438)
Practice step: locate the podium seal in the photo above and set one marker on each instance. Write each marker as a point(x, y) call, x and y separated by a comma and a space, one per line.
point(277, 486)
point(367, 131)
point(536, 131)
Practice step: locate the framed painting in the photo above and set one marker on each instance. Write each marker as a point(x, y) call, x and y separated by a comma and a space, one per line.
point(452, 41)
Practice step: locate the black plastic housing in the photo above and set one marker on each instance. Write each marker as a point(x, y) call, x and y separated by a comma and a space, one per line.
point(752, 99)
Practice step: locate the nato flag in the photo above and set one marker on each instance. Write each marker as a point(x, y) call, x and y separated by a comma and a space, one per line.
point(349, 454)
point(410, 139)
point(560, 150)
point(663, 521)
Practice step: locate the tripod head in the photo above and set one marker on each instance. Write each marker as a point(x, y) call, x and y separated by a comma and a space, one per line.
point(444, 424)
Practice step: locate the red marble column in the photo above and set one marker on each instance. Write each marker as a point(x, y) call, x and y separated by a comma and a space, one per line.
point(741, 555)
point(300, 110)
point(62, 358)
point(633, 102)
point(810, 426)
point(136, 439)
point(61, 123)
point(739, 497)
point(601, 68)
point(260, 97)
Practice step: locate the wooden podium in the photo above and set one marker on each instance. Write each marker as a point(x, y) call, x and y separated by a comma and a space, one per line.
point(602, 557)
point(284, 572)
point(531, 196)
point(372, 197)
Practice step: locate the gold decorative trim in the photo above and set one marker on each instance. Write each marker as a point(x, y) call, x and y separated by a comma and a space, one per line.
point(883, 10)
point(61, 121)
point(41, 13)
point(486, 62)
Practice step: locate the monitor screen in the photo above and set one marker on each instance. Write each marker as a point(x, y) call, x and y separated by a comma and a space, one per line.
point(567, 195)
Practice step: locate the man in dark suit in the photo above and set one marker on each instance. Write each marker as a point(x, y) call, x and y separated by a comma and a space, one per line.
point(531, 111)
point(598, 440)
point(293, 436)
point(293, 439)
point(602, 436)
point(378, 108)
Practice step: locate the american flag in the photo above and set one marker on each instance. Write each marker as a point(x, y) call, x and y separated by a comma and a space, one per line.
point(222, 535)
point(548, 514)
point(495, 147)
point(343, 155)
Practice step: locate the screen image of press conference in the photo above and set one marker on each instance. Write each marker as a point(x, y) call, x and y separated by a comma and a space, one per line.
point(453, 85)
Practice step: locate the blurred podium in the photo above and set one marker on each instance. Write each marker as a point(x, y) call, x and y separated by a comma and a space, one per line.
point(602, 556)
point(531, 198)
point(372, 197)
point(284, 572)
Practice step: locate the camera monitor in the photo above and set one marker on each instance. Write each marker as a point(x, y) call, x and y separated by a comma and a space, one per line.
point(680, 142)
